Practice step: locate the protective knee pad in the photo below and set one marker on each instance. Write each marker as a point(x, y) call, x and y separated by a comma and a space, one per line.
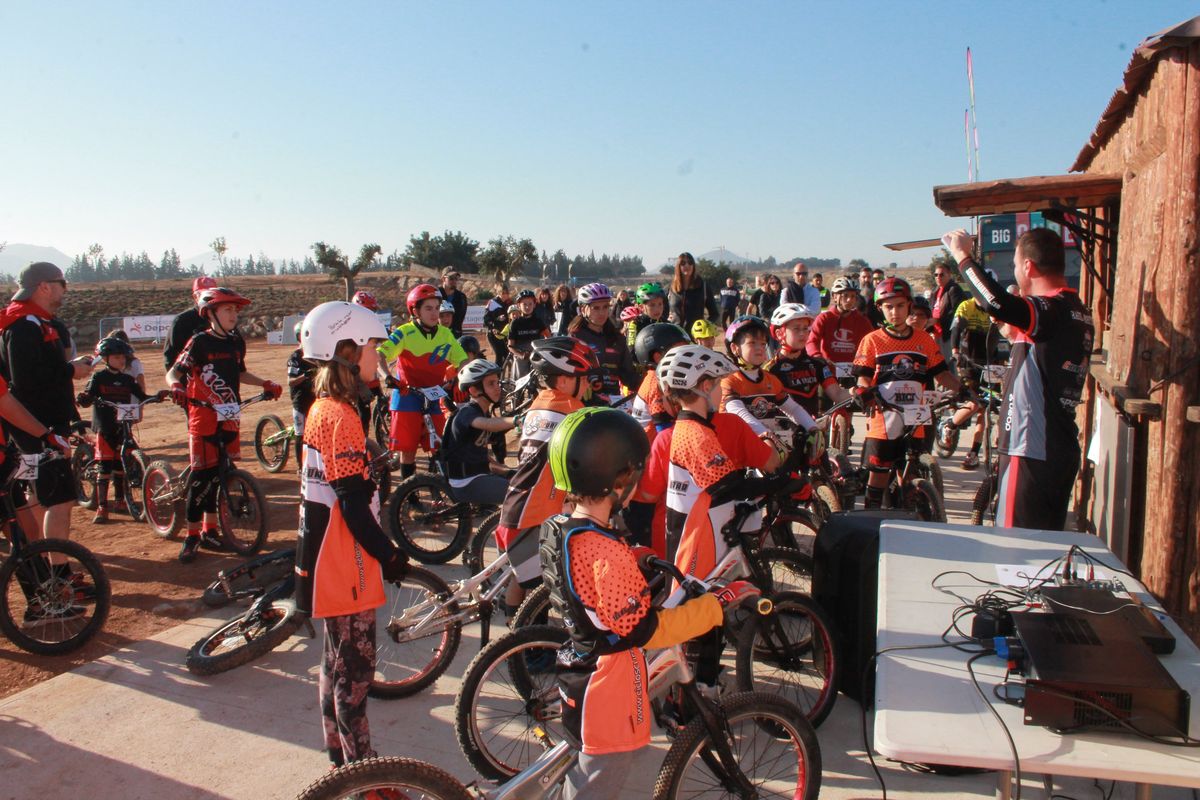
point(202, 493)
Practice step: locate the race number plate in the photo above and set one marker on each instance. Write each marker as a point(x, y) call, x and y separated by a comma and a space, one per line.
point(917, 415)
point(28, 469)
point(432, 393)
point(844, 370)
point(228, 412)
point(128, 412)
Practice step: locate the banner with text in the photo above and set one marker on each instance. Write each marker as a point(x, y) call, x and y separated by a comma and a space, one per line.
point(155, 327)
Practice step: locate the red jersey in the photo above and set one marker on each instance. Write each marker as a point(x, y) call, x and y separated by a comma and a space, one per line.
point(835, 336)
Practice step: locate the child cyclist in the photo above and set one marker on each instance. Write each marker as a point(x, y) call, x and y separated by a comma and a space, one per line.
point(424, 351)
point(300, 391)
point(595, 328)
point(704, 333)
point(652, 343)
point(898, 361)
point(115, 385)
point(213, 364)
point(525, 330)
point(564, 369)
point(804, 378)
point(342, 556)
point(473, 476)
point(751, 392)
point(596, 585)
point(652, 307)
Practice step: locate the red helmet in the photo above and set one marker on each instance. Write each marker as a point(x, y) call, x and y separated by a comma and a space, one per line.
point(422, 291)
point(211, 298)
point(892, 287)
point(201, 283)
point(366, 300)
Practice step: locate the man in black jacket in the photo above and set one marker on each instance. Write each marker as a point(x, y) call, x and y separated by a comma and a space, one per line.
point(451, 293)
point(945, 302)
point(187, 324)
point(35, 359)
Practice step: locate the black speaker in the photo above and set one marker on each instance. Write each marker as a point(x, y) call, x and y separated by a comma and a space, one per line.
point(846, 585)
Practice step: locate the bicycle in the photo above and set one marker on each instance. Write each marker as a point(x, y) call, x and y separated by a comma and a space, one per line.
point(985, 395)
point(250, 578)
point(54, 593)
point(916, 478)
point(242, 507)
point(707, 732)
point(273, 442)
point(132, 459)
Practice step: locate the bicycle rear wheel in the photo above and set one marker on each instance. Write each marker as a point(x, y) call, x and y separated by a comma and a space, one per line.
point(509, 689)
point(163, 510)
point(774, 747)
point(251, 579)
point(946, 437)
point(242, 512)
point(536, 609)
point(981, 506)
point(481, 550)
point(244, 638)
point(791, 570)
point(790, 652)
point(135, 476)
point(54, 597)
point(272, 445)
point(426, 522)
point(839, 433)
point(408, 660)
point(415, 780)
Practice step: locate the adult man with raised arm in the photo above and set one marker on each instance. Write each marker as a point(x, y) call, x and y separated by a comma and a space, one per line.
point(1052, 339)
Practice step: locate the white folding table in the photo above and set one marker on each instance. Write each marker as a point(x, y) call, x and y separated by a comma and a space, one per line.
point(928, 711)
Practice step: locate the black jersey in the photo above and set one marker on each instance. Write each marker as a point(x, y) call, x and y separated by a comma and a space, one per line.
point(524, 331)
point(803, 377)
point(301, 393)
point(115, 387)
point(615, 357)
point(465, 448)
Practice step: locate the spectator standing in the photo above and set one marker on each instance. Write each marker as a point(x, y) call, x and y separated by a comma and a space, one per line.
point(1052, 336)
point(945, 302)
point(751, 306)
point(624, 301)
point(690, 298)
point(565, 308)
point(730, 295)
point(451, 293)
point(818, 280)
point(770, 298)
point(495, 320)
point(187, 324)
point(544, 309)
point(35, 361)
point(799, 290)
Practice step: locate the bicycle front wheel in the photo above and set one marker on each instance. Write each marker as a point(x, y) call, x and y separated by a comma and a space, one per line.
point(415, 634)
point(242, 513)
point(245, 638)
point(426, 522)
point(83, 467)
point(791, 652)
point(135, 476)
point(414, 780)
point(921, 496)
point(773, 745)
point(510, 689)
point(272, 443)
point(54, 597)
point(985, 495)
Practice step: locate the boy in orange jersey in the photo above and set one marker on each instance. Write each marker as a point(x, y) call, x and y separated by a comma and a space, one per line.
point(898, 361)
point(652, 342)
point(753, 393)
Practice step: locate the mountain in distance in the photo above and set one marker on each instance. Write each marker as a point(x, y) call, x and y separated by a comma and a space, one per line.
point(721, 254)
point(16, 257)
point(206, 261)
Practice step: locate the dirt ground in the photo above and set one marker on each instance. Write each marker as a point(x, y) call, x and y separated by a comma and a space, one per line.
point(151, 590)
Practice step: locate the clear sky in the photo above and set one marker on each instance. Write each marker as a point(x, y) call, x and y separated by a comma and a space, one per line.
point(647, 128)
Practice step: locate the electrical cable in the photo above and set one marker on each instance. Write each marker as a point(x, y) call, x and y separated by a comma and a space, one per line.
point(1011, 744)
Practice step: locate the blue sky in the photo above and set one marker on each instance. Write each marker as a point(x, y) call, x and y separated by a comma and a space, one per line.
point(778, 129)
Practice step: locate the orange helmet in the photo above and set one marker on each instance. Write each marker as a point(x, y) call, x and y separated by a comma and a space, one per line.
point(211, 298)
point(201, 283)
point(366, 300)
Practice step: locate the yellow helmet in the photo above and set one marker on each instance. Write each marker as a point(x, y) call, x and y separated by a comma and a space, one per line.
point(703, 329)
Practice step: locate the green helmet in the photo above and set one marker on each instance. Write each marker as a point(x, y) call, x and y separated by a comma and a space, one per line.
point(592, 446)
point(649, 290)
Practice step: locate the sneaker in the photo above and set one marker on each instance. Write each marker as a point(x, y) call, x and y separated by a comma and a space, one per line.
point(971, 461)
point(101, 517)
point(187, 553)
point(37, 615)
point(211, 540)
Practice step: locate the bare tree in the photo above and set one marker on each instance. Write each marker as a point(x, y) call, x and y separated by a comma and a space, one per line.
point(219, 247)
point(334, 262)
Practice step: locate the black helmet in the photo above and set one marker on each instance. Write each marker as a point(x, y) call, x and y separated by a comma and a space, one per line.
point(119, 333)
point(521, 295)
point(111, 346)
point(470, 345)
point(563, 355)
point(592, 446)
point(921, 302)
point(657, 338)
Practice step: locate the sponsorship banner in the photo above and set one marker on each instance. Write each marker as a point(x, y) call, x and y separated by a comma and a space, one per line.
point(275, 337)
point(474, 318)
point(155, 327)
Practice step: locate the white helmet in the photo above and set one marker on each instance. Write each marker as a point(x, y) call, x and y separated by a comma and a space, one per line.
point(330, 323)
point(790, 311)
point(685, 366)
point(446, 308)
point(844, 284)
point(475, 371)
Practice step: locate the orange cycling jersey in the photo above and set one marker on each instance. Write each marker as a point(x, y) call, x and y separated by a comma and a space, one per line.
point(902, 368)
point(532, 498)
point(337, 574)
point(607, 699)
point(647, 408)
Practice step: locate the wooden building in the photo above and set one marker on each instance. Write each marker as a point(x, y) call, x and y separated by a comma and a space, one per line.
point(1134, 210)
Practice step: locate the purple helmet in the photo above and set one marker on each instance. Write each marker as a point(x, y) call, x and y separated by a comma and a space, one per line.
point(593, 293)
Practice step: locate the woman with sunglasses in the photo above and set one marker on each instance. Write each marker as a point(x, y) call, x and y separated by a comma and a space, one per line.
point(690, 297)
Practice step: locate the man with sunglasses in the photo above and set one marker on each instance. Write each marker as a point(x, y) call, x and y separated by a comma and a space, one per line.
point(945, 302)
point(799, 290)
point(37, 360)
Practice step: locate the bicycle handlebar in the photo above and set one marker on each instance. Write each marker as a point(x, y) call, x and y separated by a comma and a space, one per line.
point(100, 401)
point(243, 403)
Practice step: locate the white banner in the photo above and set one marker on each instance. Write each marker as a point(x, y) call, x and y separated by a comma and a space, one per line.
point(474, 319)
point(156, 327)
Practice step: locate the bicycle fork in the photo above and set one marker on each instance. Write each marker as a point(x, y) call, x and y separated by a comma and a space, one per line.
point(539, 779)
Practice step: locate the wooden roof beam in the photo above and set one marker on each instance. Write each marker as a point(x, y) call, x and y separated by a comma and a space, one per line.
point(1015, 195)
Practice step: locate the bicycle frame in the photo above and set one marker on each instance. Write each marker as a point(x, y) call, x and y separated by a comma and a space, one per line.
point(427, 617)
